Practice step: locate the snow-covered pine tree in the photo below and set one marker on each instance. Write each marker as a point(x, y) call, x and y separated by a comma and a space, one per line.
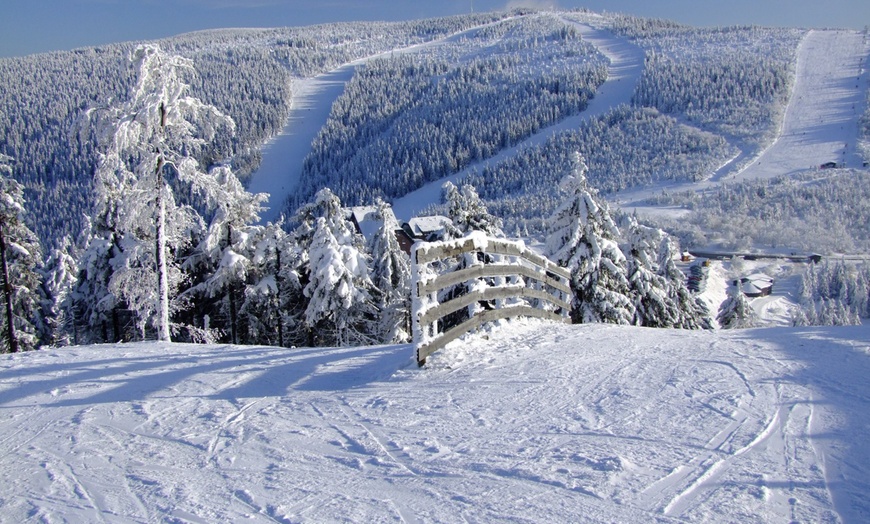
point(391, 276)
point(20, 257)
point(332, 268)
point(94, 304)
point(583, 239)
point(273, 296)
point(693, 312)
point(157, 133)
point(223, 256)
point(468, 212)
point(340, 310)
point(58, 280)
point(736, 312)
point(653, 302)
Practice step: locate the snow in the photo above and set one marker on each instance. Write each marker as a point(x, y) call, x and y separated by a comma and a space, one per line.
point(821, 120)
point(526, 422)
point(281, 165)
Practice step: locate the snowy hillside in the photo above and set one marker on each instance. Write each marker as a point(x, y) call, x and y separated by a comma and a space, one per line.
point(528, 423)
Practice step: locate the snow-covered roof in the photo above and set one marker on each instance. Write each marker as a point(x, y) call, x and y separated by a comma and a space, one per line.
point(758, 279)
point(365, 218)
point(755, 285)
point(422, 226)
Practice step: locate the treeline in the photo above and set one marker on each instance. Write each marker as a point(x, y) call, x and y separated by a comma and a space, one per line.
point(247, 73)
point(625, 148)
point(733, 81)
point(823, 212)
point(414, 118)
point(834, 293)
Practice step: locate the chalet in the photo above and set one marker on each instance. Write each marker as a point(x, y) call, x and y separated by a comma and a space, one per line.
point(365, 219)
point(757, 285)
point(429, 228)
point(366, 222)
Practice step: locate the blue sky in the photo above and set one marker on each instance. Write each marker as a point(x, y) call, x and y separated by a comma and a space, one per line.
point(32, 26)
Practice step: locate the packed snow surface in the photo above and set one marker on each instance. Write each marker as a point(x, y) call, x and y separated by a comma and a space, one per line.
point(827, 100)
point(527, 422)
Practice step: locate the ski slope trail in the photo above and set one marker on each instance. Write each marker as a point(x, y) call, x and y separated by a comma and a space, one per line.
point(820, 123)
point(624, 72)
point(281, 165)
point(827, 100)
point(526, 422)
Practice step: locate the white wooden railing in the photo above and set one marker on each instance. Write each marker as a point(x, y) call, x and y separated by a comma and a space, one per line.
point(493, 278)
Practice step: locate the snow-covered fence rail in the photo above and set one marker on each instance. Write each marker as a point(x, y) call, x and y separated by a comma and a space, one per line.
point(458, 285)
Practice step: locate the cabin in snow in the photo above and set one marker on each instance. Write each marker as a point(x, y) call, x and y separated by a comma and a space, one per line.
point(757, 285)
point(429, 229)
point(366, 222)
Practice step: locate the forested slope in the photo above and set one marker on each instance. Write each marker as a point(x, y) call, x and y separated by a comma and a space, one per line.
point(246, 73)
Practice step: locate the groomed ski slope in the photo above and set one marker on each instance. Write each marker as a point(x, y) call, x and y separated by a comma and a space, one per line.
point(828, 98)
point(528, 422)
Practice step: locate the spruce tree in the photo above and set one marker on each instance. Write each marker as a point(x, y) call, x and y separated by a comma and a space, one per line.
point(273, 294)
point(332, 268)
point(583, 239)
point(391, 276)
point(58, 279)
point(736, 312)
point(340, 311)
point(223, 256)
point(653, 301)
point(20, 257)
point(468, 212)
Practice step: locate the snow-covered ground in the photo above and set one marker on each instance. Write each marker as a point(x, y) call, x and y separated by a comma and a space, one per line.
point(281, 167)
point(529, 422)
point(827, 99)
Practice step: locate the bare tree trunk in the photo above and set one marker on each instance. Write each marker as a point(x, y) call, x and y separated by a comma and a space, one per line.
point(278, 281)
point(7, 295)
point(162, 276)
point(162, 272)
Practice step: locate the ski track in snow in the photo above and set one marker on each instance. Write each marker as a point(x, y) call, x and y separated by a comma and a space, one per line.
point(525, 421)
point(821, 121)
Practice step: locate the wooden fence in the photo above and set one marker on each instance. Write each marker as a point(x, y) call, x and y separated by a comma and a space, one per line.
point(491, 279)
